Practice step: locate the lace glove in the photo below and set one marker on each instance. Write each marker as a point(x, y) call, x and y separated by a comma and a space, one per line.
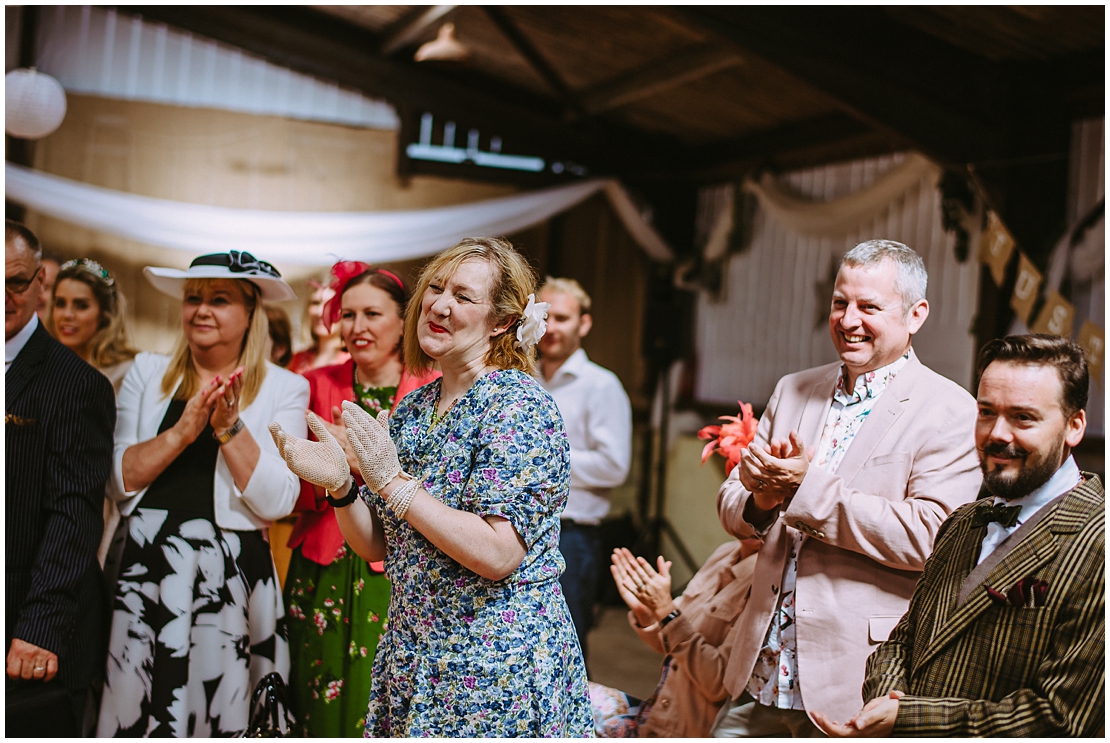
point(374, 449)
point(320, 462)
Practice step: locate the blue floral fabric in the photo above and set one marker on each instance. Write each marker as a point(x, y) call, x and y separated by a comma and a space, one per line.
point(464, 655)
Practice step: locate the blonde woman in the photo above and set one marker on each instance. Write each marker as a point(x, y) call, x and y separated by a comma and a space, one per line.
point(86, 315)
point(198, 613)
point(325, 344)
point(462, 499)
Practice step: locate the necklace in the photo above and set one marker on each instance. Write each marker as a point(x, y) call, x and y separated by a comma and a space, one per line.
point(438, 417)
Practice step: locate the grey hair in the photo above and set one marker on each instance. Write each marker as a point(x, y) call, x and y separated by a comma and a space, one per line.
point(17, 231)
point(912, 279)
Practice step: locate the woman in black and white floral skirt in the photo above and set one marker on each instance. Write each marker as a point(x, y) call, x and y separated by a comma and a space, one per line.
point(198, 615)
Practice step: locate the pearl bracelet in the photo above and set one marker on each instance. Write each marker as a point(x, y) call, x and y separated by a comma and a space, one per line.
point(402, 497)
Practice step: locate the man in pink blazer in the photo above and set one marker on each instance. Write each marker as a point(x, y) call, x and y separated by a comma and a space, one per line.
point(854, 467)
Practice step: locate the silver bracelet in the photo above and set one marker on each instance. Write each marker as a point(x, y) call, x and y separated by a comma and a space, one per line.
point(403, 496)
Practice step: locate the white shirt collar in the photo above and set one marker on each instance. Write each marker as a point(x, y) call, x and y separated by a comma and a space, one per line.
point(18, 341)
point(571, 367)
point(1063, 480)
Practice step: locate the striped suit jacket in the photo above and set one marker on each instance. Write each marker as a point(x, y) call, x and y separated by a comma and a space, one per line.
point(984, 669)
point(58, 421)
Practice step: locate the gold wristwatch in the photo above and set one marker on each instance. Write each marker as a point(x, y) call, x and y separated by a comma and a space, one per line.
point(230, 433)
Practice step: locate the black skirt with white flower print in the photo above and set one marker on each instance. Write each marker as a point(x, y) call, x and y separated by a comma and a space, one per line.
point(197, 621)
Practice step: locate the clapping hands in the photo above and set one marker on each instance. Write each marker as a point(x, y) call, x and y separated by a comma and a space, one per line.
point(320, 462)
point(646, 590)
point(875, 720)
point(773, 473)
point(372, 445)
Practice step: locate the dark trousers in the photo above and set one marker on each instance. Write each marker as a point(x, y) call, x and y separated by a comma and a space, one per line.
point(34, 709)
point(581, 548)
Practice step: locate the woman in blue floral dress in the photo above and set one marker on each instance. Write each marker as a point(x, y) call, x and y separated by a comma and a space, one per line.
point(462, 500)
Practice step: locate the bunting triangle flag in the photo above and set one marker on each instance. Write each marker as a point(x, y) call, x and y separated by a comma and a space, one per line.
point(995, 248)
point(1056, 316)
point(1092, 339)
point(1025, 288)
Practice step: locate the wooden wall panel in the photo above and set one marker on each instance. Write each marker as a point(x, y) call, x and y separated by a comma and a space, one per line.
point(227, 159)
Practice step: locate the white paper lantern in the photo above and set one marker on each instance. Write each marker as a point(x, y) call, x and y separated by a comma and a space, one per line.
point(34, 104)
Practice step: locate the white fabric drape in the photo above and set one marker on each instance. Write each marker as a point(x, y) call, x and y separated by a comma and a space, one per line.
point(844, 215)
point(310, 238)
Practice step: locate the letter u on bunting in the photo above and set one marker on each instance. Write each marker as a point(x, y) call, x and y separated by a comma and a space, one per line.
point(1025, 288)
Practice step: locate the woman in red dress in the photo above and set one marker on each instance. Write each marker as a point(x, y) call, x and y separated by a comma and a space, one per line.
point(336, 601)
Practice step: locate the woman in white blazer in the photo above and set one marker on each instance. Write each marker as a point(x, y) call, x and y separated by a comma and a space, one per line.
point(198, 616)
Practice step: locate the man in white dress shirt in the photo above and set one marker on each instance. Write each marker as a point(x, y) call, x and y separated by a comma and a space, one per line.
point(598, 419)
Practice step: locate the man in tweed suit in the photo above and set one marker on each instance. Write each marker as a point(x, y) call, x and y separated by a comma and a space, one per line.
point(59, 419)
point(1005, 634)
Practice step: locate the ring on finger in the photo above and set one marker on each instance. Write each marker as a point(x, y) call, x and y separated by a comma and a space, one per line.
point(231, 401)
point(39, 668)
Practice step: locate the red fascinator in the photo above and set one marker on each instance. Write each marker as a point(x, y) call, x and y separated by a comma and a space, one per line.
point(343, 272)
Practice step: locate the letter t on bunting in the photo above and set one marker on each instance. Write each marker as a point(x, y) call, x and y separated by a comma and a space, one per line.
point(1025, 288)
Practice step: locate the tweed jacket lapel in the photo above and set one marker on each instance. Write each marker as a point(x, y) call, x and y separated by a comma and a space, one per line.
point(888, 408)
point(26, 365)
point(982, 571)
point(1038, 548)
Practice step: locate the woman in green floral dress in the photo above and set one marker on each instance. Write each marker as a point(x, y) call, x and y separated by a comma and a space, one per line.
point(337, 602)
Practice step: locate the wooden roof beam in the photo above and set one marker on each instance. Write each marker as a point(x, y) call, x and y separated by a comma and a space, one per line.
point(728, 158)
point(889, 75)
point(317, 44)
point(655, 78)
point(535, 58)
point(408, 29)
point(764, 145)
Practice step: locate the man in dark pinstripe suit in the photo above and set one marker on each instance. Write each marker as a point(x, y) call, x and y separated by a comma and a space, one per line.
point(59, 419)
point(1005, 634)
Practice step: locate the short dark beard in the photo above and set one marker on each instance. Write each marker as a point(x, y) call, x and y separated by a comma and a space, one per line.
point(1028, 478)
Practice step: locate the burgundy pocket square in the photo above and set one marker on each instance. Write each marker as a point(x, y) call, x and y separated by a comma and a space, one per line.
point(1027, 592)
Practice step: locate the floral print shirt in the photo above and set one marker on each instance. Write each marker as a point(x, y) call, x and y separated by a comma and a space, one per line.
point(464, 655)
point(774, 680)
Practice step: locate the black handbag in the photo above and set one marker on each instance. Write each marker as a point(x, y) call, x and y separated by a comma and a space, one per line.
point(270, 716)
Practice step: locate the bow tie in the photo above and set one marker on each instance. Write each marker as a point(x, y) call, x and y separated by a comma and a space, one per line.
point(1007, 516)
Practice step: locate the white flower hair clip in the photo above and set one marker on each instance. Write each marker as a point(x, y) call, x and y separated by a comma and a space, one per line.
point(532, 324)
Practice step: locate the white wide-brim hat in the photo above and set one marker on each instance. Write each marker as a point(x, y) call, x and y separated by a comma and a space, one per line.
point(231, 265)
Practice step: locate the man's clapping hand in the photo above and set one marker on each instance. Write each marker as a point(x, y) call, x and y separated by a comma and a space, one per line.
point(773, 473)
point(875, 720)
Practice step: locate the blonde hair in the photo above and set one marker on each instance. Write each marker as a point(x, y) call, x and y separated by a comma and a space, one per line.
point(182, 377)
point(307, 331)
point(108, 344)
point(568, 286)
point(513, 280)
